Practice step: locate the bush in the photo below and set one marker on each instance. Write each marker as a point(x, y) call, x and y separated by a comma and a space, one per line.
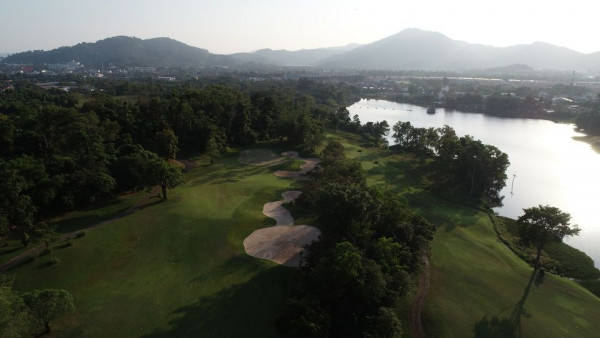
point(53, 260)
point(46, 251)
point(66, 244)
point(80, 234)
point(31, 258)
point(592, 285)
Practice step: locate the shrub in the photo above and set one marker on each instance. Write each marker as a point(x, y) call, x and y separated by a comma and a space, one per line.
point(46, 251)
point(53, 260)
point(31, 258)
point(66, 244)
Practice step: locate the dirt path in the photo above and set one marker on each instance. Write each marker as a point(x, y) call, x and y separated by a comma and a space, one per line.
point(70, 235)
point(284, 242)
point(416, 308)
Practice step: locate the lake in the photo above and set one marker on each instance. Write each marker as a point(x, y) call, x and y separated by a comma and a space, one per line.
point(550, 166)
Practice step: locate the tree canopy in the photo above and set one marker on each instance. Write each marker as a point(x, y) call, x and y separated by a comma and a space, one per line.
point(544, 224)
point(48, 305)
point(371, 242)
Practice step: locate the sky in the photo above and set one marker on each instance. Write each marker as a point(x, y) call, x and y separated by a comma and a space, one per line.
point(230, 26)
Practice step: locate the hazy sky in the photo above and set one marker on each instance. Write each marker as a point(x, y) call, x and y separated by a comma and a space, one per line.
point(228, 26)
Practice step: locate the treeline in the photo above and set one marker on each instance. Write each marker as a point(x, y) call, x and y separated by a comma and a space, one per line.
point(589, 122)
point(371, 245)
point(460, 163)
point(58, 154)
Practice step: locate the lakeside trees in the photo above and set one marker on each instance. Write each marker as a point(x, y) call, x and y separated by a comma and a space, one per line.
point(462, 163)
point(543, 224)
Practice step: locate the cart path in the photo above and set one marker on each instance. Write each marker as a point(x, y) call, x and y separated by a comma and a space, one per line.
point(416, 308)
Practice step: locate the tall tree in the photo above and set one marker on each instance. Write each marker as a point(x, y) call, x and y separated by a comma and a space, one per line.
point(166, 143)
point(165, 174)
point(544, 224)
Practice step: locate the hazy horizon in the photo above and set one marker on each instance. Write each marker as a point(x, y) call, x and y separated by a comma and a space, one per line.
point(234, 26)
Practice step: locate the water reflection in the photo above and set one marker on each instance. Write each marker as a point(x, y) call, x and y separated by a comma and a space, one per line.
point(551, 167)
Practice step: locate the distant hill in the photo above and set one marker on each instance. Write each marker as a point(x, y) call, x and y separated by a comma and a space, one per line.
point(126, 51)
point(303, 57)
point(415, 49)
point(411, 49)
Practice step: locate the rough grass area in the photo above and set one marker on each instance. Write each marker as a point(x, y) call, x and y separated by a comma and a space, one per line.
point(176, 268)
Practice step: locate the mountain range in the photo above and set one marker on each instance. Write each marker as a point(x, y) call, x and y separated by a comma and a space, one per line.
point(410, 49)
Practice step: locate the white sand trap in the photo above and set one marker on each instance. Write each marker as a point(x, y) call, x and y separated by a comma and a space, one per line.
point(260, 157)
point(276, 211)
point(281, 244)
point(309, 164)
point(284, 242)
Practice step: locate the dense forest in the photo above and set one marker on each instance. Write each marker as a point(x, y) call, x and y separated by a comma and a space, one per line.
point(60, 151)
point(354, 276)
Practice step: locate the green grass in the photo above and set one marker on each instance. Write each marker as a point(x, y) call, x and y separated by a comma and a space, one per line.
point(474, 276)
point(74, 221)
point(557, 257)
point(176, 268)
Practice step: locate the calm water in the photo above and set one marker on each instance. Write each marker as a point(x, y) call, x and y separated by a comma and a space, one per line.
point(550, 167)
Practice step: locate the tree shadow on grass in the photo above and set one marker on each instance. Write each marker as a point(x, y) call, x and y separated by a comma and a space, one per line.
point(91, 221)
point(232, 174)
point(508, 326)
point(243, 310)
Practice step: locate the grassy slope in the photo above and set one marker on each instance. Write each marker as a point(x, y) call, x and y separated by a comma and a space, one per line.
point(176, 268)
point(474, 277)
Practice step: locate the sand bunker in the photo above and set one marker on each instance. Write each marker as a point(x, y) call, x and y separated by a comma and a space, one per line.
point(284, 242)
point(260, 157)
point(310, 164)
point(281, 244)
point(276, 211)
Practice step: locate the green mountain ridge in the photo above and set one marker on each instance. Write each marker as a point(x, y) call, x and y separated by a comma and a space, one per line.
point(410, 49)
point(125, 51)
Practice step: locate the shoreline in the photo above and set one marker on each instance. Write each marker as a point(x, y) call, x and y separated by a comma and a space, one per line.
point(592, 140)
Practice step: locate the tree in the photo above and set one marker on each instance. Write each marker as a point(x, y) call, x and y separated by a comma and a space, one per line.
point(14, 319)
point(165, 174)
point(166, 143)
point(544, 224)
point(48, 305)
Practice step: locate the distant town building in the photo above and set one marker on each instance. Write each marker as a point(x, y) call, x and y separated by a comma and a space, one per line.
point(70, 66)
point(142, 69)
